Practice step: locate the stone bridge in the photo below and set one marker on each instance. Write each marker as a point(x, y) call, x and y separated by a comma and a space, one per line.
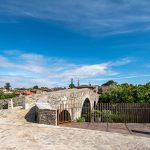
point(61, 106)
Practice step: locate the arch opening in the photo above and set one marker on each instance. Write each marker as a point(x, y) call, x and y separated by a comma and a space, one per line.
point(86, 110)
point(64, 117)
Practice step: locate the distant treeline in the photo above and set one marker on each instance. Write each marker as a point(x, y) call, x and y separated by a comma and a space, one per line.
point(127, 93)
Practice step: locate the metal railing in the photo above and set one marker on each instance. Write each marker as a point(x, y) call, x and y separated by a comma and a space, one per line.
point(105, 112)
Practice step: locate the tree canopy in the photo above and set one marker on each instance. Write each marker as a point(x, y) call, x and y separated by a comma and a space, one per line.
point(71, 84)
point(127, 93)
point(7, 86)
point(6, 96)
point(110, 82)
point(35, 87)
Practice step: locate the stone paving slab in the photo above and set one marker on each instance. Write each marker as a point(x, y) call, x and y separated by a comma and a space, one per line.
point(22, 135)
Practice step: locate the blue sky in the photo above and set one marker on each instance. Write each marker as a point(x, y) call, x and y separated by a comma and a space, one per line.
point(48, 42)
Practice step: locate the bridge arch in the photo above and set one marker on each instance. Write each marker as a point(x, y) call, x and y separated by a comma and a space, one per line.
point(86, 110)
point(64, 116)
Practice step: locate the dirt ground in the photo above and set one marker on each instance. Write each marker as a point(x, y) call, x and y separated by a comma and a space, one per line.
point(128, 128)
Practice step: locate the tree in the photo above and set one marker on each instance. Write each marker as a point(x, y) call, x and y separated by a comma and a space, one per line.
point(110, 82)
point(7, 86)
point(127, 93)
point(5, 96)
point(35, 87)
point(72, 84)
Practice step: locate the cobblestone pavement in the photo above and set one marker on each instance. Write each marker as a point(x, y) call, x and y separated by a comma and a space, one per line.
point(17, 134)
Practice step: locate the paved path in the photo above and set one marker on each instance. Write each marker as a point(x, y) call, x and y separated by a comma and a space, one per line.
point(17, 134)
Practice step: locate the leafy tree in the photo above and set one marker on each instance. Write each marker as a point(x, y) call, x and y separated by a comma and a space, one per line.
point(6, 96)
point(35, 87)
point(127, 93)
point(2, 96)
point(7, 86)
point(110, 82)
point(71, 84)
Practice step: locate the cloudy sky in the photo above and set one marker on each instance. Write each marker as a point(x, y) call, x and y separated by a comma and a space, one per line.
point(48, 42)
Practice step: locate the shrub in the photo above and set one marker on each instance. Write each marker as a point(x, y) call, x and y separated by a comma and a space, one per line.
point(80, 119)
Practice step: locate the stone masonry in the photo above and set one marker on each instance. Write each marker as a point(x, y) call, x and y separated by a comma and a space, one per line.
point(17, 101)
point(46, 116)
point(48, 104)
point(45, 108)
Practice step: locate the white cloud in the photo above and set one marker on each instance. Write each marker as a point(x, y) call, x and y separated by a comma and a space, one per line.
point(24, 81)
point(83, 72)
point(28, 69)
point(121, 77)
point(27, 64)
point(32, 58)
point(90, 71)
point(123, 61)
point(101, 17)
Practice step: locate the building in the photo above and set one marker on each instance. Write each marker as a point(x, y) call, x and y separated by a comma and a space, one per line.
point(24, 92)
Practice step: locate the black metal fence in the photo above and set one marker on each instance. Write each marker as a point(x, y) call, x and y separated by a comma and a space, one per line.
point(122, 112)
point(105, 112)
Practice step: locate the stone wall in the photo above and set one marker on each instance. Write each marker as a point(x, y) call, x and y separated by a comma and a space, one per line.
point(46, 116)
point(4, 104)
point(17, 101)
point(62, 97)
point(47, 104)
